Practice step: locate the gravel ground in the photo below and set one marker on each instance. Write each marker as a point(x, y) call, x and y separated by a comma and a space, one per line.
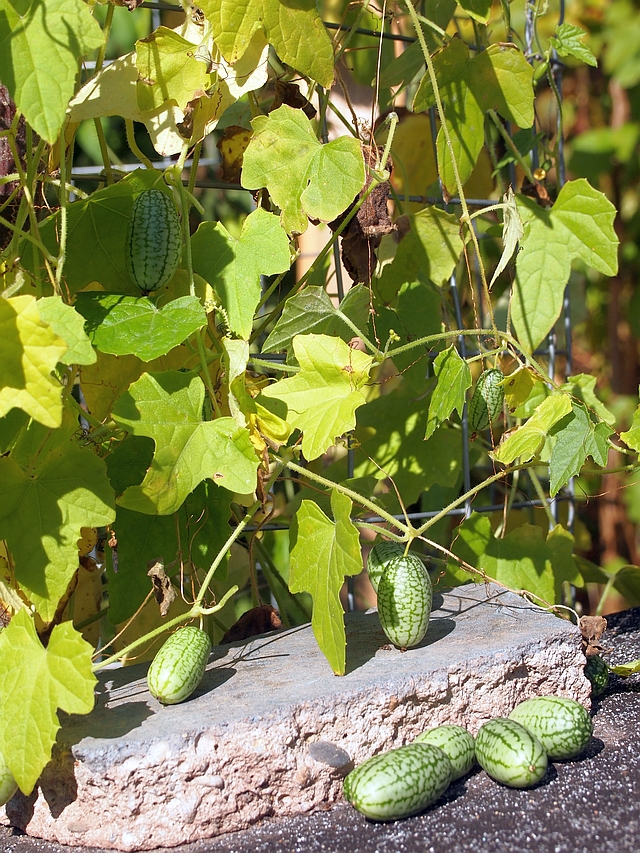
point(592, 804)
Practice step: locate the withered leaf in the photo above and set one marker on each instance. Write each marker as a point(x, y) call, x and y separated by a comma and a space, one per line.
point(163, 590)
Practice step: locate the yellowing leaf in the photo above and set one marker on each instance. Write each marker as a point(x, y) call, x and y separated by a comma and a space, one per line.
point(322, 399)
point(29, 351)
point(34, 683)
point(324, 553)
point(517, 387)
point(170, 69)
point(512, 232)
point(525, 441)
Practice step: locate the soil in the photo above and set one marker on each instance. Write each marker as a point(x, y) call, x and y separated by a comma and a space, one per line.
point(590, 804)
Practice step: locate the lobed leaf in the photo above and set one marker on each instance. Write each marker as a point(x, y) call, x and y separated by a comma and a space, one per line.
point(454, 378)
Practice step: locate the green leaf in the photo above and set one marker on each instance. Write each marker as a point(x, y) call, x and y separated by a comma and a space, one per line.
point(312, 311)
point(167, 407)
point(498, 78)
point(527, 440)
point(522, 560)
point(578, 226)
point(480, 10)
point(632, 436)
point(233, 267)
point(69, 325)
point(323, 554)
point(429, 250)
point(34, 683)
point(322, 399)
point(624, 670)
point(41, 42)
point(454, 378)
point(568, 42)
point(169, 69)
point(51, 487)
point(577, 437)
point(124, 325)
point(582, 386)
point(304, 177)
point(29, 351)
point(295, 30)
point(201, 525)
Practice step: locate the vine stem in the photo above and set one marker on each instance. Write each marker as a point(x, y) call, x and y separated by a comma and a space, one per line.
point(465, 218)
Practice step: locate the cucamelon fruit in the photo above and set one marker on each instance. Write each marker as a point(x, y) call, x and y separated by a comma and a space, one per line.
point(597, 671)
point(487, 399)
point(178, 667)
point(381, 554)
point(510, 753)
point(8, 785)
point(563, 726)
point(457, 743)
point(154, 243)
point(404, 600)
point(400, 782)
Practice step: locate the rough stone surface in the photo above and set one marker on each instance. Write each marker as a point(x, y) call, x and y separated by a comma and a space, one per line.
point(271, 732)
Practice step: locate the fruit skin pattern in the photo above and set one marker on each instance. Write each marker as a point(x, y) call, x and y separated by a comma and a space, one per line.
point(457, 743)
point(510, 754)
point(177, 669)
point(154, 244)
point(487, 400)
point(379, 556)
point(400, 782)
point(404, 600)
point(563, 726)
point(597, 671)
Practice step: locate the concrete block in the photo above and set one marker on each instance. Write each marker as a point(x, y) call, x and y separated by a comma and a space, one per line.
point(271, 731)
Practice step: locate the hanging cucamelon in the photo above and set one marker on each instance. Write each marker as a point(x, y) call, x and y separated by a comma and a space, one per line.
point(486, 403)
point(154, 242)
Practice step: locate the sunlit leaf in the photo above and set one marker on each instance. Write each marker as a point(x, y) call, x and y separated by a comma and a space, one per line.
point(526, 441)
point(69, 325)
point(568, 42)
point(169, 69)
point(512, 232)
point(454, 378)
point(576, 438)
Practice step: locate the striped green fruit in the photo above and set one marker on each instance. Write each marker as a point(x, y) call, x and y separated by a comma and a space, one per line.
point(510, 753)
point(8, 785)
point(404, 600)
point(178, 667)
point(563, 726)
point(597, 671)
point(400, 782)
point(457, 743)
point(154, 242)
point(486, 403)
point(381, 554)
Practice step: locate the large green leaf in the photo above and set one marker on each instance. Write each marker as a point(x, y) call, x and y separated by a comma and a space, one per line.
point(454, 378)
point(294, 29)
point(527, 440)
point(498, 78)
point(51, 487)
point(233, 267)
point(169, 69)
point(304, 177)
point(34, 683)
point(322, 399)
point(29, 351)
point(323, 554)
point(167, 407)
point(522, 560)
point(578, 226)
point(123, 325)
point(69, 325)
point(41, 42)
point(576, 438)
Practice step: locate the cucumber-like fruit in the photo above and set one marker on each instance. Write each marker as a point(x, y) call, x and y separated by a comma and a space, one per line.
point(563, 726)
point(381, 554)
point(8, 785)
point(404, 600)
point(178, 667)
point(510, 753)
point(154, 243)
point(400, 782)
point(486, 403)
point(597, 671)
point(457, 743)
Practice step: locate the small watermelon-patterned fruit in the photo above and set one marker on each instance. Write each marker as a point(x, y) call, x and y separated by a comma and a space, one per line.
point(179, 665)
point(381, 554)
point(563, 726)
point(457, 743)
point(486, 403)
point(597, 671)
point(8, 785)
point(154, 244)
point(404, 600)
point(510, 754)
point(400, 782)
